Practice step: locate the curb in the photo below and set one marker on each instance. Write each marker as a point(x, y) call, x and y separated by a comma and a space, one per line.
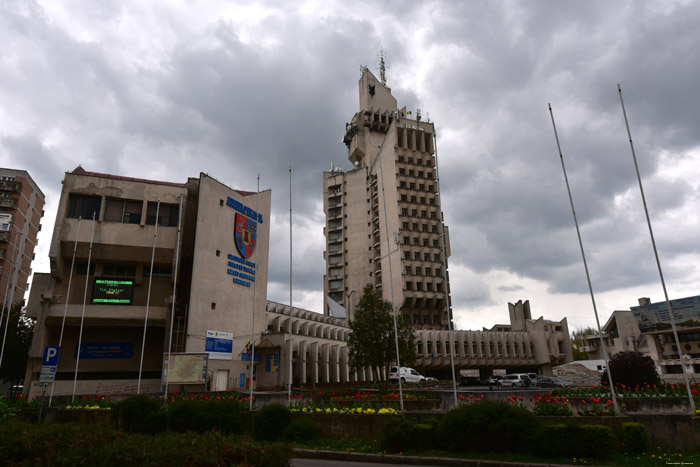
point(411, 460)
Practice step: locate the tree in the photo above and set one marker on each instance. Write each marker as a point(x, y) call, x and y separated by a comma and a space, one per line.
point(372, 344)
point(631, 369)
point(18, 339)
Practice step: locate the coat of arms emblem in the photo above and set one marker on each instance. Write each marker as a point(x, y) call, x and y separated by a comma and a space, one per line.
point(246, 235)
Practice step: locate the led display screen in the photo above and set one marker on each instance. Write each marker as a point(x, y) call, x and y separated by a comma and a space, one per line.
point(112, 291)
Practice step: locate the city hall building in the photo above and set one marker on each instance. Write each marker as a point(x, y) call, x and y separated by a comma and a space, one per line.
point(204, 304)
point(109, 230)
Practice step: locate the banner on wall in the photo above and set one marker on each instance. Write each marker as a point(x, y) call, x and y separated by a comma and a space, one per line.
point(219, 345)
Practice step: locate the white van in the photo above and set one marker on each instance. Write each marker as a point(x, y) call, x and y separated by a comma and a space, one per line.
point(407, 375)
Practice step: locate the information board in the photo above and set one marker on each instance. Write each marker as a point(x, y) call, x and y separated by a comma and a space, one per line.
point(185, 368)
point(219, 345)
point(112, 291)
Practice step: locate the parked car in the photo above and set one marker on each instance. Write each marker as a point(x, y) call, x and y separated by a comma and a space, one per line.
point(553, 382)
point(515, 380)
point(493, 380)
point(407, 375)
point(469, 381)
point(430, 379)
point(533, 377)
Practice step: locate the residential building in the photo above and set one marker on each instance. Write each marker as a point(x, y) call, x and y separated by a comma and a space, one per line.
point(647, 329)
point(21, 210)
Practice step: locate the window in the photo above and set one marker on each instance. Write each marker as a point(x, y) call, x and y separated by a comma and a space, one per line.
point(425, 242)
point(402, 171)
point(435, 320)
point(415, 227)
point(413, 199)
point(404, 198)
point(126, 212)
point(123, 270)
point(407, 255)
point(411, 173)
point(158, 271)
point(416, 319)
point(415, 241)
point(404, 212)
point(425, 227)
point(404, 225)
point(81, 269)
point(167, 214)
point(336, 284)
point(435, 244)
point(83, 206)
point(416, 256)
point(402, 184)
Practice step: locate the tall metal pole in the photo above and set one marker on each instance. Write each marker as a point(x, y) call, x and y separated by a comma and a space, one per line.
point(148, 297)
point(172, 307)
point(65, 307)
point(391, 277)
point(585, 265)
point(82, 316)
point(291, 334)
point(252, 334)
point(656, 255)
point(444, 270)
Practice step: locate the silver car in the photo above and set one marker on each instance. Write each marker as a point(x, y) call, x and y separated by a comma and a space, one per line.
point(515, 380)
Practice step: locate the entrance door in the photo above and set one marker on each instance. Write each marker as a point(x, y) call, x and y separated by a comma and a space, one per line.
point(222, 380)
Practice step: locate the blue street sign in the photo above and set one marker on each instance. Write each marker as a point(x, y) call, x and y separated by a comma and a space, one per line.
point(50, 355)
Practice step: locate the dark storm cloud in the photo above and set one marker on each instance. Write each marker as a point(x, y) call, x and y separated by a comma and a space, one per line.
point(167, 93)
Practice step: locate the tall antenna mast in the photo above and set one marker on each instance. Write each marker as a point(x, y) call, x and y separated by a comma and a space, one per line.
point(382, 67)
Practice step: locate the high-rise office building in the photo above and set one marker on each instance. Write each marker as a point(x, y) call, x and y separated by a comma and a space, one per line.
point(383, 218)
point(21, 209)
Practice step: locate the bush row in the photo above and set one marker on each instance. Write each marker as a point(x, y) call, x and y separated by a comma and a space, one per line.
point(496, 427)
point(69, 445)
point(144, 415)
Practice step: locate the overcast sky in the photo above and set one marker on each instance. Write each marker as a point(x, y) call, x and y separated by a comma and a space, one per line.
point(166, 90)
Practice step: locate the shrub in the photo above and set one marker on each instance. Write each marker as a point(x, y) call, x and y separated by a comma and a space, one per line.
point(572, 440)
point(6, 413)
point(270, 421)
point(301, 430)
point(205, 415)
point(65, 444)
point(488, 426)
point(140, 414)
point(635, 437)
point(631, 369)
point(401, 434)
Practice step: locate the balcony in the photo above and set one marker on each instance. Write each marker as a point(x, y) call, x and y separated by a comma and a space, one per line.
point(11, 186)
point(8, 202)
point(4, 236)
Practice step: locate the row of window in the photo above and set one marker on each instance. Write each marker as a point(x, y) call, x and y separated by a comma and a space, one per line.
point(503, 348)
point(416, 200)
point(122, 211)
point(122, 270)
point(417, 320)
point(417, 256)
point(423, 228)
point(417, 242)
point(429, 187)
point(413, 173)
point(414, 213)
point(419, 286)
point(419, 161)
point(422, 271)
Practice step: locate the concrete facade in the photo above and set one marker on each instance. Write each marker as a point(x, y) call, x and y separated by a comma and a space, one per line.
point(21, 210)
point(622, 333)
point(210, 295)
point(383, 219)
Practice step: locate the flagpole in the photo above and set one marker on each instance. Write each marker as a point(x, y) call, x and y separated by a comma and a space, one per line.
point(252, 335)
point(656, 255)
point(391, 278)
point(585, 266)
point(172, 308)
point(148, 296)
point(65, 307)
point(82, 317)
point(291, 347)
point(444, 269)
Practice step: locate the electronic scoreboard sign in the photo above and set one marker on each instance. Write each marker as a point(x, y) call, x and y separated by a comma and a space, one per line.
point(112, 291)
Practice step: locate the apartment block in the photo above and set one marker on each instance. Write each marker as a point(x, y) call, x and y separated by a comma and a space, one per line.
point(21, 210)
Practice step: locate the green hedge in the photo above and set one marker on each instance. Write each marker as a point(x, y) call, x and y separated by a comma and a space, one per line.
point(572, 440)
point(489, 426)
point(205, 415)
point(270, 421)
point(635, 437)
point(140, 414)
point(400, 434)
point(302, 430)
point(69, 445)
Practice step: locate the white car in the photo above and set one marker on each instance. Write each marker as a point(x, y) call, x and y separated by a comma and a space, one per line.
point(515, 380)
point(407, 375)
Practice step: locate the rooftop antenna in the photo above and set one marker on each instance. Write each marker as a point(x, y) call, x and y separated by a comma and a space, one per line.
point(382, 67)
